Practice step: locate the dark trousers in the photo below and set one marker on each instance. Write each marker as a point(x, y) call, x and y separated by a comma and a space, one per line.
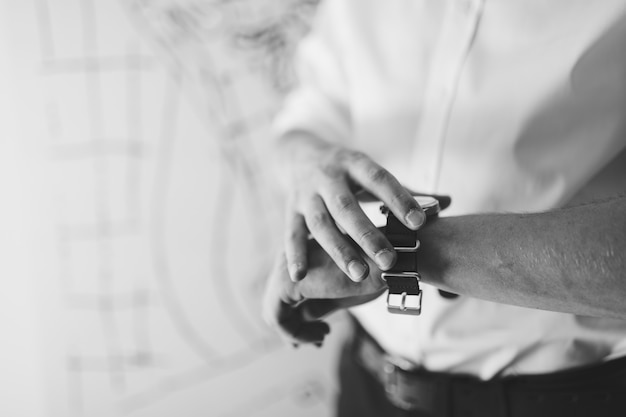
point(361, 394)
point(597, 391)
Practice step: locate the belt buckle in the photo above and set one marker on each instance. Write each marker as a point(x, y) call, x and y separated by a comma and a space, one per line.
point(391, 377)
point(391, 368)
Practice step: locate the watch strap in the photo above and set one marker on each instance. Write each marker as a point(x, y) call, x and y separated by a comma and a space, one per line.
point(403, 280)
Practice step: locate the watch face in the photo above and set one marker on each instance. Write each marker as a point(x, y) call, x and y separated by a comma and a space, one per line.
point(377, 212)
point(372, 210)
point(430, 205)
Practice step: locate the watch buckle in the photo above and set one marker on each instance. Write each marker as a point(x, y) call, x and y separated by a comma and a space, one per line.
point(401, 302)
point(408, 248)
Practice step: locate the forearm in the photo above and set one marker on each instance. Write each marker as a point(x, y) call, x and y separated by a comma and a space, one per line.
point(569, 260)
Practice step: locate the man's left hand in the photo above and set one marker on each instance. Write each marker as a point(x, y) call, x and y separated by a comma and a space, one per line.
point(296, 309)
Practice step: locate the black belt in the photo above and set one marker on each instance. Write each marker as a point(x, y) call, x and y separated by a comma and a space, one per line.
point(596, 390)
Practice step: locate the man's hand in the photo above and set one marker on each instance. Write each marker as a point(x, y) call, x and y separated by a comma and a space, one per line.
point(295, 309)
point(322, 182)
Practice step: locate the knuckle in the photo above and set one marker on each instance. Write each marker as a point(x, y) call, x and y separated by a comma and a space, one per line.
point(343, 154)
point(331, 171)
point(293, 235)
point(366, 236)
point(341, 252)
point(377, 174)
point(299, 200)
point(318, 220)
point(345, 203)
point(358, 157)
point(404, 201)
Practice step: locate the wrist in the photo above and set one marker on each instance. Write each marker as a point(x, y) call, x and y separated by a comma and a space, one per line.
point(432, 258)
point(441, 251)
point(301, 158)
point(296, 146)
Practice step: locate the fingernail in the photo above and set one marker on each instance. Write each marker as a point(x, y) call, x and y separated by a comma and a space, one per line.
point(296, 272)
point(415, 218)
point(357, 270)
point(384, 259)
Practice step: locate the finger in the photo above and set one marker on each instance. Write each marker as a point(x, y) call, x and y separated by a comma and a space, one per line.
point(294, 328)
point(381, 183)
point(279, 293)
point(313, 310)
point(312, 332)
point(342, 252)
point(295, 247)
point(345, 210)
point(287, 320)
point(280, 310)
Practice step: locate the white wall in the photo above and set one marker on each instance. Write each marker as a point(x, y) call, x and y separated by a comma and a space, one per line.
point(138, 222)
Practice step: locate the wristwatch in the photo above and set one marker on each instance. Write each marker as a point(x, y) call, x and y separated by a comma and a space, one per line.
point(403, 280)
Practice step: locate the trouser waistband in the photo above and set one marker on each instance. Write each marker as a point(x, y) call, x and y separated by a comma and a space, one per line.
point(595, 390)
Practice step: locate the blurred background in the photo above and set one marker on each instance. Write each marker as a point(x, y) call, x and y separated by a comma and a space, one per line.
point(138, 219)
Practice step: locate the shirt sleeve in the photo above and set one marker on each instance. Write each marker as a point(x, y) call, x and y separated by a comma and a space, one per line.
point(319, 102)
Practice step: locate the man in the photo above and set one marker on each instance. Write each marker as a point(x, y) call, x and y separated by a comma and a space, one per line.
point(514, 109)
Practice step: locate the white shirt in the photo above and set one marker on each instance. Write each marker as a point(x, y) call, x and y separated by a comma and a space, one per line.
point(507, 106)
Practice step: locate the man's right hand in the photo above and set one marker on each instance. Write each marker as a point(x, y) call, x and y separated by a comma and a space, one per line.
point(322, 180)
